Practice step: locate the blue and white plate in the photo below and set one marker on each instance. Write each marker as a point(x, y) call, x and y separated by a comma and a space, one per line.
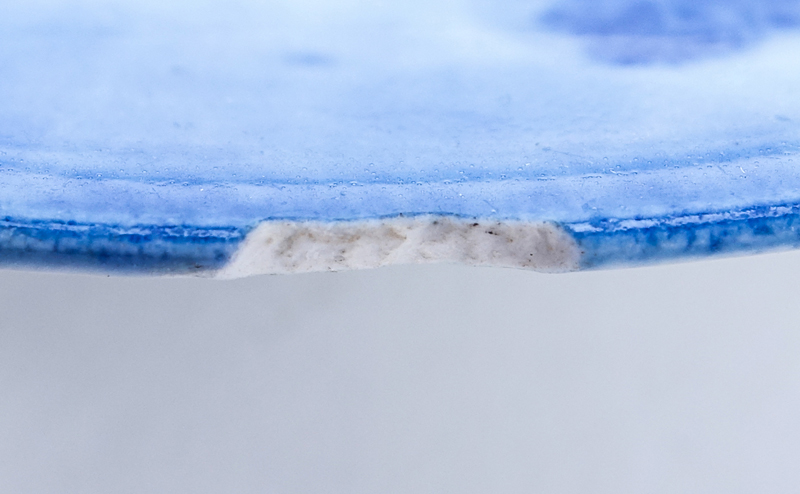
point(234, 138)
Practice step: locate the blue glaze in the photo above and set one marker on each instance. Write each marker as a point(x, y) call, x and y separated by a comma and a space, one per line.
point(171, 249)
point(609, 243)
point(148, 137)
point(646, 31)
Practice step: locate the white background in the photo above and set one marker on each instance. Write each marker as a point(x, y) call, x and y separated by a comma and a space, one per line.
point(682, 378)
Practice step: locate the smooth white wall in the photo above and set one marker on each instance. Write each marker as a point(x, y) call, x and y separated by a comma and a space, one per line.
point(682, 378)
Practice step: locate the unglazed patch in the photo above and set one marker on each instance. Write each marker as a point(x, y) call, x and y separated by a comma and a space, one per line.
point(305, 246)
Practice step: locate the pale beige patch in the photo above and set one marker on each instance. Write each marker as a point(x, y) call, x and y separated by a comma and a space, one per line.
point(304, 246)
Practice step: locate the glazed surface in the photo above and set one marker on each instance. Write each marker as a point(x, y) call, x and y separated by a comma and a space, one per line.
point(149, 137)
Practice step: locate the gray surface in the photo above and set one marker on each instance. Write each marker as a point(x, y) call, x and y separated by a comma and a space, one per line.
point(678, 378)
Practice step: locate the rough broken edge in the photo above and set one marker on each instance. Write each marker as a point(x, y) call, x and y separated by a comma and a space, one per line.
point(298, 245)
point(305, 246)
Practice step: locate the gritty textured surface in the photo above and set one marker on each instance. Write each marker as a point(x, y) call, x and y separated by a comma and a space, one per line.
point(297, 247)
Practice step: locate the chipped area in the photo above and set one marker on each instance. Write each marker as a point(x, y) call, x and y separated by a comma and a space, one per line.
point(305, 246)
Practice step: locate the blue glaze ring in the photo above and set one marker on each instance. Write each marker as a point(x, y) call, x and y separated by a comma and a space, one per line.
point(150, 137)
